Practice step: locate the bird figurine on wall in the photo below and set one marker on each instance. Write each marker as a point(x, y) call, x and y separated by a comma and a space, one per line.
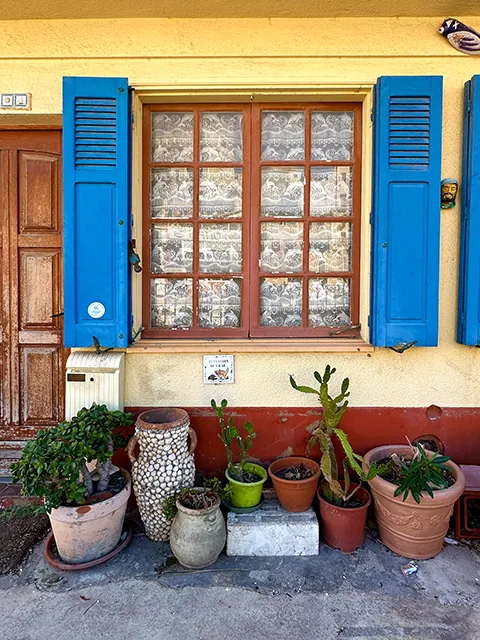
point(461, 37)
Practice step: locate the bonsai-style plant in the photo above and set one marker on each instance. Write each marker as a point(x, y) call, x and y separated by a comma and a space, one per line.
point(70, 466)
point(323, 430)
point(242, 473)
point(343, 504)
point(57, 464)
point(417, 472)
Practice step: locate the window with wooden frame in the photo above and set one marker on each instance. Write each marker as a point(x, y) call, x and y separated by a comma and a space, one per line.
point(251, 220)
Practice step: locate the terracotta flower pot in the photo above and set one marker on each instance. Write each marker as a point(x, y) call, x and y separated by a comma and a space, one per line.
point(294, 495)
point(410, 529)
point(85, 533)
point(197, 536)
point(344, 527)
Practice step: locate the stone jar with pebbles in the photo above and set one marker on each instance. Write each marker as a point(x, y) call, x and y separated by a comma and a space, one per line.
point(164, 465)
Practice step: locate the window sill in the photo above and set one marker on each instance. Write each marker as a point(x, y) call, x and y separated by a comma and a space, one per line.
point(255, 345)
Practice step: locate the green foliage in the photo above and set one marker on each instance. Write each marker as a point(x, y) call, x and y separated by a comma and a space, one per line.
point(321, 433)
point(216, 485)
point(229, 434)
point(51, 464)
point(22, 511)
point(420, 474)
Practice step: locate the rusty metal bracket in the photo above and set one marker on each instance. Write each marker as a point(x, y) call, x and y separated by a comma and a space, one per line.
point(403, 346)
point(332, 334)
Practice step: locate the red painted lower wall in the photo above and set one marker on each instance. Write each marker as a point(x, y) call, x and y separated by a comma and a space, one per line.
point(367, 427)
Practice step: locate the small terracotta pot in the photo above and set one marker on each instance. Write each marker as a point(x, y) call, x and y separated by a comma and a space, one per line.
point(410, 529)
point(86, 533)
point(294, 495)
point(344, 527)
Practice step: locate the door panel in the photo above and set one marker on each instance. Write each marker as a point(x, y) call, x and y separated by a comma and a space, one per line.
point(32, 358)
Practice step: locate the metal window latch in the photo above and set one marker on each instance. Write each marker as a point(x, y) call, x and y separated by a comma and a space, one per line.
point(133, 256)
point(403, 346)
point(344, 330)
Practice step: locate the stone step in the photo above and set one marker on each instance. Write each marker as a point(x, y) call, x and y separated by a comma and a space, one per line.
point(272, 531)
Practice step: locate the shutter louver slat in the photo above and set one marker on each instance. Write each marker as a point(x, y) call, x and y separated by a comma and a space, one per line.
point(406, 211)
point(98, 117)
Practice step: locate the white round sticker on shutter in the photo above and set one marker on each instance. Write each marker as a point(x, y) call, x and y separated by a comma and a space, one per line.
point(96, 310)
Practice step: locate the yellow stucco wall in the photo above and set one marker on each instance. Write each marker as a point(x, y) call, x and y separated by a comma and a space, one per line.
point(238, 54)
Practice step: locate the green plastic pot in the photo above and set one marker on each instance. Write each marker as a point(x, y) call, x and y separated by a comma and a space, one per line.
point(247, 494)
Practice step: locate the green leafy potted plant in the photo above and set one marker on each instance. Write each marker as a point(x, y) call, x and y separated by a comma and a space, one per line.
point(84, 494)
point(343, 504)
point(246, 479)
point(198, 533)
point(414, 495)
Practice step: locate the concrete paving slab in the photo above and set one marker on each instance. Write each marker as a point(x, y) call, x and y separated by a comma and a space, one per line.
point(144, 594)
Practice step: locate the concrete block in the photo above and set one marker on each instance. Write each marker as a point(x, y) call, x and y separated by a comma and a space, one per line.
point(272, 531)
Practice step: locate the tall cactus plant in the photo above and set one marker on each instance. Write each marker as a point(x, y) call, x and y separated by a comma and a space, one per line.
point(321, 432)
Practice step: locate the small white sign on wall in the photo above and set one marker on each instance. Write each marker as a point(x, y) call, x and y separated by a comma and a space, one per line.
point(218, 370)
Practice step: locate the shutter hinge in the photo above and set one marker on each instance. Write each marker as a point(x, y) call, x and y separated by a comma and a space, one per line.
point(468, 105)
point(371, 115)
point(371, 217)
point(132, 118)
point(369, 322)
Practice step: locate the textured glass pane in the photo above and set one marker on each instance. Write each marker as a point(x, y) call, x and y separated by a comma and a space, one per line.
point(331, 191)
point(220, 248)
point(282, 192)
point(221, 137)
point(329, 302)
point(171, 193)
point(219, 303)
point(332, 135)
point(283, 135)
point(281, 302)
point(221, 193)
point(172, 137)
point(171, 248)
point(281, 246)
point(171, 303)
point(330, 246)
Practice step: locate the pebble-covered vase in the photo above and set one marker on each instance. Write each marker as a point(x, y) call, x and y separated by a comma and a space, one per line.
point(165, 464)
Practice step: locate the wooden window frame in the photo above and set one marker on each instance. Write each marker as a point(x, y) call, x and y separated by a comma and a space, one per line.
point(196, 220)
point(251, 220)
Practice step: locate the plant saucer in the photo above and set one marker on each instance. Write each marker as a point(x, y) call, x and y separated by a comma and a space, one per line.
point(242, 509)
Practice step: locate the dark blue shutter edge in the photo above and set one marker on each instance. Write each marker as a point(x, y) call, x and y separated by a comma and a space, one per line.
point(468, 329)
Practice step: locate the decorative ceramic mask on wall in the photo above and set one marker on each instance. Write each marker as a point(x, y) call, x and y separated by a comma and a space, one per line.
point(449, 193)
point(461, 37)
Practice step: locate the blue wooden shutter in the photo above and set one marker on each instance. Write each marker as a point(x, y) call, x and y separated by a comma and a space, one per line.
point(468, 330)
point(407, 124)
point(96, 169)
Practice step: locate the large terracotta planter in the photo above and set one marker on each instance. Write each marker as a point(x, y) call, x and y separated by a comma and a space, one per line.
point(344, 527)
point(294, 495)
point(410, 529)
point(197, 536)
point(91, 531)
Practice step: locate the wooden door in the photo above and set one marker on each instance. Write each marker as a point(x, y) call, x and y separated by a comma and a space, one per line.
point(32, 358)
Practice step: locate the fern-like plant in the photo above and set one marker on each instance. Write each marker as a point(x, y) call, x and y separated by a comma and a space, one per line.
point(323, 430)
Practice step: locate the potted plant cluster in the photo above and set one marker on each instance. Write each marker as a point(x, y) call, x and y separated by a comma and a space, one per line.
point(246, 479)
point(414, 496)
point(198, 533)
point(295, 482)
point(84, 494)
point(343, 503)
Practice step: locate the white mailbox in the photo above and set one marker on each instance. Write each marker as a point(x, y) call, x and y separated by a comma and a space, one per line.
point(94, 377)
